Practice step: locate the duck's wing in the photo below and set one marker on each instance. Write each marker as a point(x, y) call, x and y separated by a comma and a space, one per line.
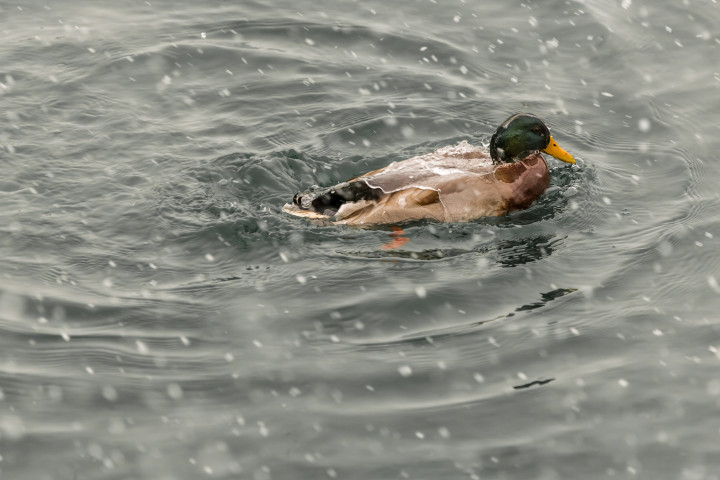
point(421, 187)
point(397, 207)
point(452, 199)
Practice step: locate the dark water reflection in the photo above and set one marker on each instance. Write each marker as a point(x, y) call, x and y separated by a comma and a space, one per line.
point(508, 253)
point(161, 318)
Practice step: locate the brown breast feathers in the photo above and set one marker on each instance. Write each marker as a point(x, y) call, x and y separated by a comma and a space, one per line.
point(528, 179)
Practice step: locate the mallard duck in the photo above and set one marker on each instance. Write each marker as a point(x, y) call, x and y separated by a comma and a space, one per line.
point(453, 184)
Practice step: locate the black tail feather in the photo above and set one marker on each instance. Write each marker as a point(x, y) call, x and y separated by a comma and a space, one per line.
point(329, 200)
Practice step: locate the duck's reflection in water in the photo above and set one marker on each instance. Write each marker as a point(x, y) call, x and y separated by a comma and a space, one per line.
point(508, 253)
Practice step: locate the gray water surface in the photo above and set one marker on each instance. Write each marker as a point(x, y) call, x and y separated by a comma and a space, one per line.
point(161, 318)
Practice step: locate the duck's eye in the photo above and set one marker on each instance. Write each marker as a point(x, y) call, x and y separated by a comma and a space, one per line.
point(537, 131)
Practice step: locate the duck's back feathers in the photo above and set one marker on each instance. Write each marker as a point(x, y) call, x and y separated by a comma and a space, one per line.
point(424, 171)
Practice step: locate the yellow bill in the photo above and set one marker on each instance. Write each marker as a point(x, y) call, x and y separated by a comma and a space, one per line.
point(557, 152)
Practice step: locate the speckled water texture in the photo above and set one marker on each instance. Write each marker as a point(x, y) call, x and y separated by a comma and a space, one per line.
point(161, 318)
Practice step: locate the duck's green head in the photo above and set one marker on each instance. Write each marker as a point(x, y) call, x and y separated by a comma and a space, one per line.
point(522, 134)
